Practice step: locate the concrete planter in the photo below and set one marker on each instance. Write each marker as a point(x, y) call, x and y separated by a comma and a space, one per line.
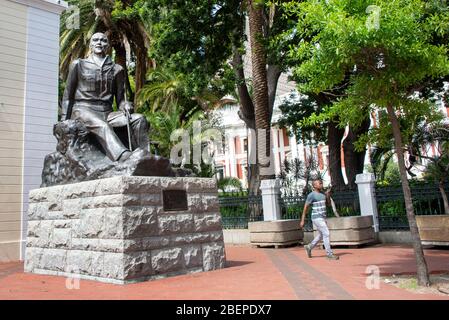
point(434, 230)
point(356, 230)
point(275, 233)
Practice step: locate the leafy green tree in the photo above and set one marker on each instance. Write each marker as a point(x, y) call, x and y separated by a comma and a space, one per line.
point(387, 61)
point(437, 169)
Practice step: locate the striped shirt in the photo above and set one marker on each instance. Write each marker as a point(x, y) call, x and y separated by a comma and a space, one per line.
point(318, 202)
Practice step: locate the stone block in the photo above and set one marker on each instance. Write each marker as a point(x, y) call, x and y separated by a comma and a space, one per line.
point(273, 226)
point(175, 223)
point(151, 243)
point(85, 262)
point(91, 224)
point(351, 235)
point(33, 257)
point(213, 256)
point(119, 245)
point(353, 222)
point(71, 208)
point(194, 185)
point(38, 195)
point(139, 222)
point(114, 200)
point(276, 237)
point(134, 185)
point(137, 265)
point(85, 244)
point(207, 222)
point(142, 199)
point(213, 236)
point(192, 256)
point(167, 260)
point(37, 211)
point(53, 259)
point(81, 189)
point(41, 234)
point(113, 266)
point(434, 229)
point(61, 238)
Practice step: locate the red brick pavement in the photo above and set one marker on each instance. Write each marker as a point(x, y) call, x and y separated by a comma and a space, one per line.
point(251, 274)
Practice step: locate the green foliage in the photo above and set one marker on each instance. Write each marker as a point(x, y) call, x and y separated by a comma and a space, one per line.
point(386, 65)
point(229, 183)
point(294, 111)
point(193, 38)
point(295, 176)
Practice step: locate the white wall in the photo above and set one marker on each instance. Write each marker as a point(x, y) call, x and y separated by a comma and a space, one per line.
point(41, 99)
point(13, 26)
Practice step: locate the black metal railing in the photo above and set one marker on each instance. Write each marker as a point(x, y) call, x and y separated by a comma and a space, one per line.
point(237, 209)
point(346, 203)
point(427, 200)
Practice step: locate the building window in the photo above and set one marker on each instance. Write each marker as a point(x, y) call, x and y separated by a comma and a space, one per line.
point(222, 148)
point(238, 148)
point(245, 145)
point(239, 171)
point(286, 137)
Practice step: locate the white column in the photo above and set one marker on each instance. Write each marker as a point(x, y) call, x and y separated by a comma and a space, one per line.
point(271, 190)
point(367, 197)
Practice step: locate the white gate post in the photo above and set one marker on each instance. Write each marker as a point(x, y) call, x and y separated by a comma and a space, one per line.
point(271, 190)
point(367, 197)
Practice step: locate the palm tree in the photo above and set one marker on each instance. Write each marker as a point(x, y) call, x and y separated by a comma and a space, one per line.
point(260, 88)
point(163, 90)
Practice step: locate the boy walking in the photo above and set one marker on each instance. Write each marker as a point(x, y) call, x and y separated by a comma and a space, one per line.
point(318, 201)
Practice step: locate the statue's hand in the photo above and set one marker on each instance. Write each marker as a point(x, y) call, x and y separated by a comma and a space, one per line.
point(127, 106)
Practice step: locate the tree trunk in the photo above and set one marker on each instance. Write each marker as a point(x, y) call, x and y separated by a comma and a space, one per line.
point(334, 136)
point(260, 91)
point(444, 196)
point(423, 275)
point(141, 68)
point(354, 160)
point(120, 58)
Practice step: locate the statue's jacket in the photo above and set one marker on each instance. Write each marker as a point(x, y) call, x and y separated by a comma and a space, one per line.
point(94, 86)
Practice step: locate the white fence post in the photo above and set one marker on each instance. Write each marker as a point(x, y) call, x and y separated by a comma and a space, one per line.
point(367, 197)
point(271, 189)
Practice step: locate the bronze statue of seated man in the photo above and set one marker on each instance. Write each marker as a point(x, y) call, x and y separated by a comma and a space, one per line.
point(92, 84)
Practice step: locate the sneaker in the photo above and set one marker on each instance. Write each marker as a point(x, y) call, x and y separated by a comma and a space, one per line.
point(308, 250)
point(333, 257)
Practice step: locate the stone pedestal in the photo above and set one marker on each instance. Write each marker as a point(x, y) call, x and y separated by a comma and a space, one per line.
point(119, 229)
point(434, 229)
point(275, 233)
point(367, 197)
point(354, 230)
point(271, 190)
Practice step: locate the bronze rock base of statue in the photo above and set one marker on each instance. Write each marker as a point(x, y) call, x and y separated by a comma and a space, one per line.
point(80, 158)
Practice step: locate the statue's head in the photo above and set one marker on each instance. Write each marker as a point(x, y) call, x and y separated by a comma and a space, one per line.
point(99, 43)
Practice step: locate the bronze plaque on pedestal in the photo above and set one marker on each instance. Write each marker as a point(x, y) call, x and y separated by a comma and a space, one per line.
point(174, 200)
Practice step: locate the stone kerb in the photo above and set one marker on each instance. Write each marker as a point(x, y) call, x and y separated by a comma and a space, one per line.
point(116, 229)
